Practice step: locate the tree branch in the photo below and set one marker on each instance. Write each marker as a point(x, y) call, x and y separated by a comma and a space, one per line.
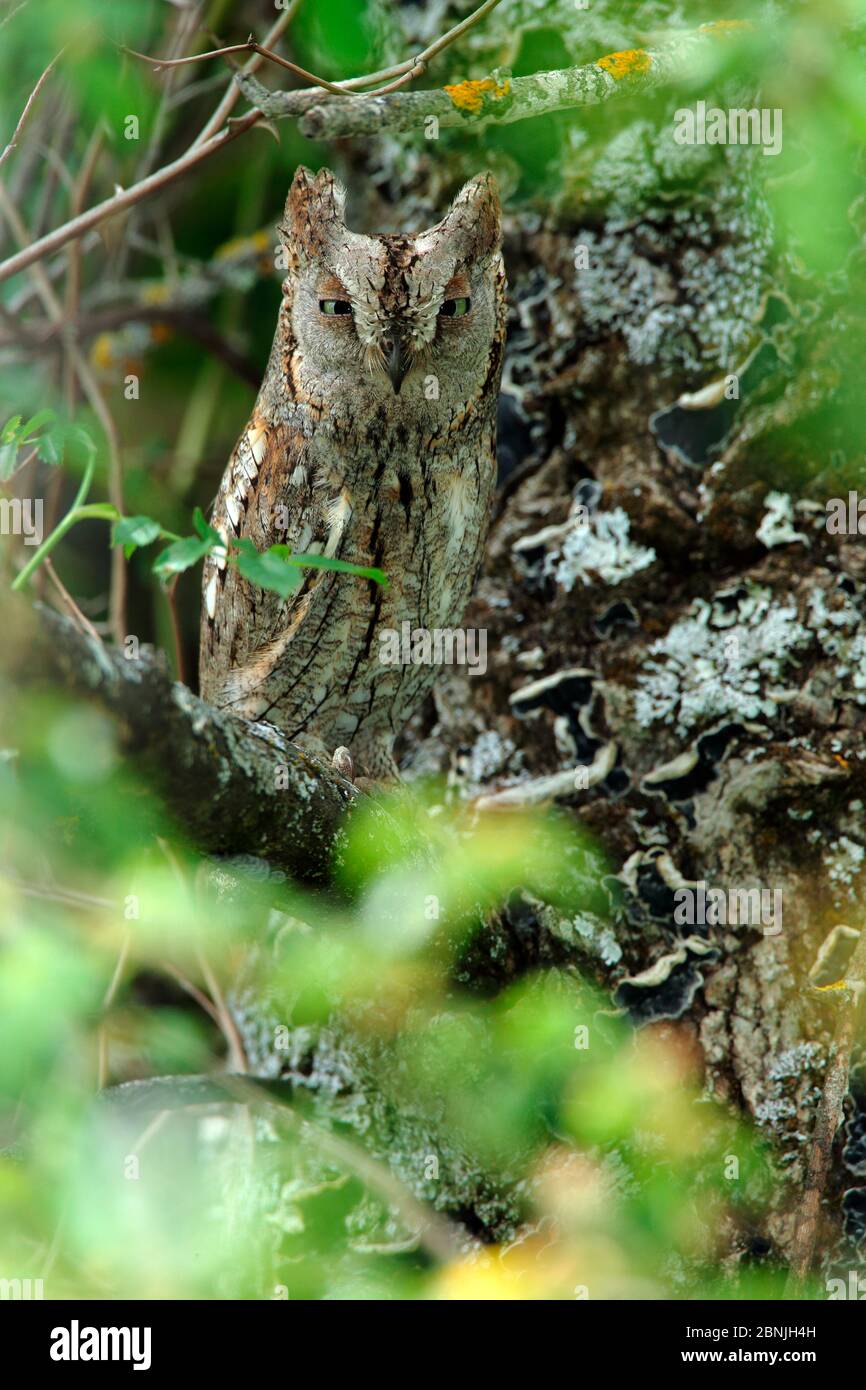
point(497, 99)
point(127, 198)
point(216, 774)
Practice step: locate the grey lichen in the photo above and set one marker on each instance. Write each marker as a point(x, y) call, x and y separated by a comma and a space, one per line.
point(683, 284)
point(702, 669)
point(597, 548)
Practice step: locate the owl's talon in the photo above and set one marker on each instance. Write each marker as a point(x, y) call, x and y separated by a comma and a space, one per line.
point(342, 763)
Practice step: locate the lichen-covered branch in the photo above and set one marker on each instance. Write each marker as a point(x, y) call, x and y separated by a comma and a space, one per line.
point(498, 98)
point(234, 788)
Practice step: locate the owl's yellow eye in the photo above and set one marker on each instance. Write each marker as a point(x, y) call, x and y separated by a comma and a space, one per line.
point(335, 306)
point(455, 308)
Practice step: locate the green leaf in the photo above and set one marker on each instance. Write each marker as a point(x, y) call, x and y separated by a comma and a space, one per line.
point(133, 531)
point(77, 435)
point(269, 569)
point(10, 430)
point(35, 423)
point(62, 439)
point(328, 562)
point(205, 530)
point(180, 556)
point(50, 447)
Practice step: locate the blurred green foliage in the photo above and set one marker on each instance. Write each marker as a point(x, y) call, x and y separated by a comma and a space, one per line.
point(117, 947)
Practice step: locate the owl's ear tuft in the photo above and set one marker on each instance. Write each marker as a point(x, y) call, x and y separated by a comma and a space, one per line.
point(473, 223)
point(314, 213)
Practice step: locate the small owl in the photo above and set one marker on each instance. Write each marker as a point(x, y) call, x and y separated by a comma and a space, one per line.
point(373, 440)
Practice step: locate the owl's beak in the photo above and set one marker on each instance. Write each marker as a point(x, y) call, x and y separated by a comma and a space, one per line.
point(399, 362)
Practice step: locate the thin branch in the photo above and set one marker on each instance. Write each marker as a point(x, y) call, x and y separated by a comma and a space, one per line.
point(127, 198)
point(186, 321)
point(830, 1114)
point(176, 634)
point(83, 622)
point(251, 46)
point(442, 1239)
point(71, 897)
point(22, 120)
point(192, 990)
point(203, 149)
point(117, 602)
point(232, 92)
point(404, 72)
point(108, 1000)
point(237, 1052)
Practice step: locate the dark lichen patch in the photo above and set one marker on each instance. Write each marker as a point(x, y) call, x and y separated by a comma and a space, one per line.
point(667, 988)
point(691, 773)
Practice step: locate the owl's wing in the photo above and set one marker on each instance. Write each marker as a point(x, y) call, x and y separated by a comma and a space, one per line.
point(266, 494)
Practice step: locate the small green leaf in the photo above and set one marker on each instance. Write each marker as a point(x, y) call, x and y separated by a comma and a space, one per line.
point(10, 430)
point(205, 530)
point(328, 562)
point(50, 447)
point(36, 423)
point(269, 569)
point(133, 531)
point(77, 435)
point(180, 556)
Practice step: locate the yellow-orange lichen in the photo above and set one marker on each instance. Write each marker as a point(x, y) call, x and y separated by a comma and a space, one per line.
point(243, 245)
point(102, 351)
point(628, 63)
point(157, 292)
point(470, 95)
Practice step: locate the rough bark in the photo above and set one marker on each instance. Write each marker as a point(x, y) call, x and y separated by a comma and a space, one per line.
point(234, 788)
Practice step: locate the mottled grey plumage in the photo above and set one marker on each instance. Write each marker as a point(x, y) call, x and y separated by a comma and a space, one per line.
point(373, 440)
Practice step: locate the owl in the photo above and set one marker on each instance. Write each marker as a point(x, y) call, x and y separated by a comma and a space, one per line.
point(372, 440)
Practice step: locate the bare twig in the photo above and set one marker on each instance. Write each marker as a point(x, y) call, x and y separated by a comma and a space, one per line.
point(71, 897)
point(237, 1052)
point(439, 1236)
point(174, 619)
point(192, 990)
point(251, 46)
point(127, 198)
point(405, 71)
point(108, 1000)
point(22, 120)
point(232, 92)
point(185, 321)
point(117, 604)
point(83, 622)
point(202, 149)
